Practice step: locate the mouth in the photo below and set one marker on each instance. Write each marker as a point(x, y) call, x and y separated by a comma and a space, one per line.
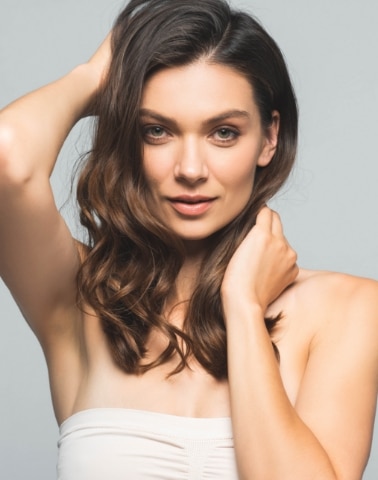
point(191, 205)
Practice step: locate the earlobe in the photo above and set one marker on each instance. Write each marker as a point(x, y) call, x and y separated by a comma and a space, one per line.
point(271, 140)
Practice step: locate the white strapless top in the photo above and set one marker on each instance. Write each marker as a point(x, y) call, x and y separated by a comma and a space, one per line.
point(123, 444)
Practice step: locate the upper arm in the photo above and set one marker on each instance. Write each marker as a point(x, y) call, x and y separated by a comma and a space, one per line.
point(337, 398)
point(38, 256)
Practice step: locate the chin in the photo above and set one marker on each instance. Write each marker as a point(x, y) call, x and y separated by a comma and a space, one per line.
point(198, 236)
point(198, 230)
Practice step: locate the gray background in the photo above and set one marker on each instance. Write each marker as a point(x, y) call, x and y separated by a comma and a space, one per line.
point(328, 207)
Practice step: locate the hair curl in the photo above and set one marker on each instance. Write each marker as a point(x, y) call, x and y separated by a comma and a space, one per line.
point(133, 259)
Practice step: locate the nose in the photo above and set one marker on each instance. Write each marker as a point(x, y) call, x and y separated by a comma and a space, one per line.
point(190, 165)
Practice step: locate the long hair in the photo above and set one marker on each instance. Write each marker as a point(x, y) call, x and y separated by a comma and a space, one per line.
point(133, 259)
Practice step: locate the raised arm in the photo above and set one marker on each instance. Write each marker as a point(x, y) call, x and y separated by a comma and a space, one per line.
point(38, 257)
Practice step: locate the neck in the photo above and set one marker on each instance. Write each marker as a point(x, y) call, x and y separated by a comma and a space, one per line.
point(188, 275)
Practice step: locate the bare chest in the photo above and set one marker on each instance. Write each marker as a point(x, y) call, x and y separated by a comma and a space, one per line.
point(193, 392)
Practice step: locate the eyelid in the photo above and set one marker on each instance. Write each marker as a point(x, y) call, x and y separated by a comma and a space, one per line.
point(166, 133)
point(235, 131)
point(231, 128)
point(161, 122)
point(145, 127)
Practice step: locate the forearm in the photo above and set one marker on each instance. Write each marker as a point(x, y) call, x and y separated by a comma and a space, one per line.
point(271, 441)
point(34, 127)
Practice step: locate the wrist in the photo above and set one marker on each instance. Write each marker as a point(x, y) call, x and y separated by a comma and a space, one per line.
point(87, 81)
point(241, 300)
point(242, 308)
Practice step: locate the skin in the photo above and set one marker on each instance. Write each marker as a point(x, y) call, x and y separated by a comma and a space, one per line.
point(208, 142)
point(311, 415)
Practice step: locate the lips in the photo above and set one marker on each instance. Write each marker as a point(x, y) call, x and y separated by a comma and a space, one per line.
point(191, 205)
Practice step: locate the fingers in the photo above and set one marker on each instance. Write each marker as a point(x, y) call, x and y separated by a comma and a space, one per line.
point(270, 220)
point(264, 218)
point(277, 228)
point(102, 57)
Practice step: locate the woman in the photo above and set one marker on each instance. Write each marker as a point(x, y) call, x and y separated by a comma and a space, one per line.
point(155, 332)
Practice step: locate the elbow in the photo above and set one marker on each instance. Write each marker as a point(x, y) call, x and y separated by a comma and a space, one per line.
point(13, 172)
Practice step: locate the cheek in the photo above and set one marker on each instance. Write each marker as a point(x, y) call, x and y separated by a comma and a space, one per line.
point(238, 165)
point(157, 164)
point(242, 188)
point(153, 169)
point(237, 172)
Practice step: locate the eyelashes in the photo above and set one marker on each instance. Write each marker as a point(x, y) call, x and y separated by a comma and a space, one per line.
point(158, 135)
point(155, 134)
point(226, 135)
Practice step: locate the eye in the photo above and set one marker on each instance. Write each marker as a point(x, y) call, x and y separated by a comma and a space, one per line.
point(154, 134)
point(225, 135)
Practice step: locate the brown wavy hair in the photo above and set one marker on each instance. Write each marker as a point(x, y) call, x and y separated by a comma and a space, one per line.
point(133, 259)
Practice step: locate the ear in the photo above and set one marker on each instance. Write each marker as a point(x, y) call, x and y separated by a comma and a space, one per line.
point(269, 146)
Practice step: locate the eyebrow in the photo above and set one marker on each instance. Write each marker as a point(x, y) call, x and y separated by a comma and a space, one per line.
point(145, 112)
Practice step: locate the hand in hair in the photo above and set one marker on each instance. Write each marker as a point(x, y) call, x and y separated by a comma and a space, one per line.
point(262, 267)
point(100, 60)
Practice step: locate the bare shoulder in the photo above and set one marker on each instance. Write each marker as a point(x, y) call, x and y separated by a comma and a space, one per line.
point(332, 305)
point(336, 308)
point(336, 295)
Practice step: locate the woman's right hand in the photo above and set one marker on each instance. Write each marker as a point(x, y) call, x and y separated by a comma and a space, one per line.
point(38, 258)
point(100, 60)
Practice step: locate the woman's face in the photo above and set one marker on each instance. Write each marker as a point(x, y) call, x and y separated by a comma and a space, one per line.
point(202, 142)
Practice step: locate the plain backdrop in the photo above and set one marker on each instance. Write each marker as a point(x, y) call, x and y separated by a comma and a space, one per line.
point(328, 207)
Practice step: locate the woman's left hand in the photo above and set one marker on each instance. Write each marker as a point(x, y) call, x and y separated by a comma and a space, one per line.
point(263, 265)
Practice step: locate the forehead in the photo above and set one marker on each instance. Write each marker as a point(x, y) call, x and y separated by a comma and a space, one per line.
point(199, 89)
